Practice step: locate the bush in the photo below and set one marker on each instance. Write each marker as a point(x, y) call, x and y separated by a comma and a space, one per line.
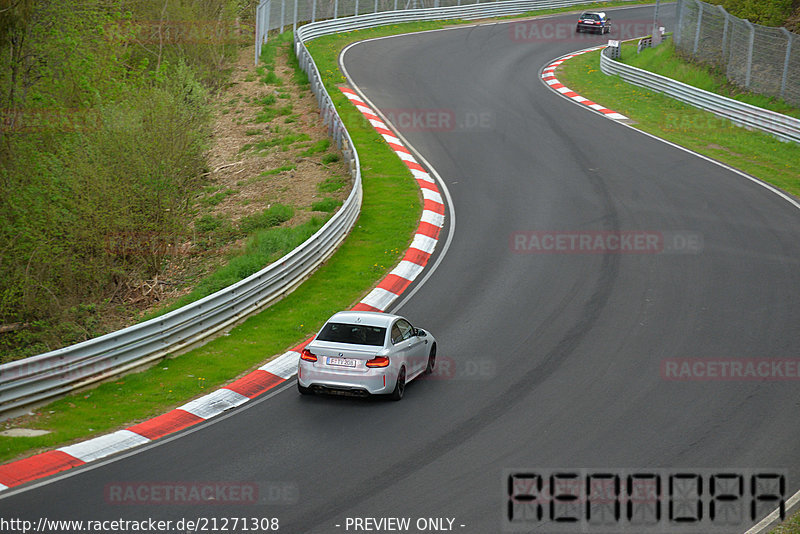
point(327, 204)
point(106, 157)
point(272, 216)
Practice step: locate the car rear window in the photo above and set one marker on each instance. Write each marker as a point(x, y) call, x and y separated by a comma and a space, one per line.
point(590, 16)
point(357, 334)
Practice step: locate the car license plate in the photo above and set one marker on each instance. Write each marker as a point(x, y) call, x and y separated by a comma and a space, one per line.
point(344, 362)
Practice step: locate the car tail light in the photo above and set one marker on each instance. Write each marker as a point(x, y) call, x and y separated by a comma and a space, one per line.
point(378, 361)
point(308, 356)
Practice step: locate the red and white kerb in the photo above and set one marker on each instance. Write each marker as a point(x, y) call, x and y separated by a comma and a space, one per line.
point(265, 378)
point(430, 224)
point(549, 77)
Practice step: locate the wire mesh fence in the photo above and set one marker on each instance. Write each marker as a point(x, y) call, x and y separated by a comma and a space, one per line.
point(287, 14)
point(758, 58)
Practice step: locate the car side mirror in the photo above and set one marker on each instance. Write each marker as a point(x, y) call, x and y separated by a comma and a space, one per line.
point(419, 332)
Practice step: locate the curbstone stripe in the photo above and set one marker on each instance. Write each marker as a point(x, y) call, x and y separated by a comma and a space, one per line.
point(549, 78)
point(266, 377)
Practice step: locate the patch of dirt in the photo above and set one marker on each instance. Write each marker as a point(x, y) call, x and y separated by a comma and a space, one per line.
point(236, 184)
point(241, 171)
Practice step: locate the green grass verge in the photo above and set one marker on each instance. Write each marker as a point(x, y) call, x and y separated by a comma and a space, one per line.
point(756, 153)
point(790, 526)
point(666, 61)
point(389, 214)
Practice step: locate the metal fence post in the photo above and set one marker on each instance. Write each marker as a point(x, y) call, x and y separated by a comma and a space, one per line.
point(294, 22)
point(314, 11)
point(336, 9)
point(699, 25)
point(259, 28)
point(356, 10)
point(679, 9)
point(725, 34)
point(283, 13)
point(749, 53)
point(789, 37)
point(267, 12)
point(395, 5)
point(376, 6)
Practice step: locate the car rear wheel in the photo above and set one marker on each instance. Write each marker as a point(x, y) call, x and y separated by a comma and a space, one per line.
point(400, 386)
point(431, 360)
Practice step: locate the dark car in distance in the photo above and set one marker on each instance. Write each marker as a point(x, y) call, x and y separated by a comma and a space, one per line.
point(594, 21)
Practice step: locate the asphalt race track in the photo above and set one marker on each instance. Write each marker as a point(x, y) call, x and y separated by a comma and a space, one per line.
point(547, 361)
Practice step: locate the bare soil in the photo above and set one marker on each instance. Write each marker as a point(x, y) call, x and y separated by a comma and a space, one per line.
point(237, 171)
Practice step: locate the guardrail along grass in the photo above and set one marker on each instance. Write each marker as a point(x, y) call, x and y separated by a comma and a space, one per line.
point(756, 153)
point(664, 60)
point(389, 215)
point(790, 526)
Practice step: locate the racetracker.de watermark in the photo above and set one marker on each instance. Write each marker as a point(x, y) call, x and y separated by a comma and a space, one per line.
point(441, 120)
point(730, 369)
point(176, 32)
point(200, 493)
point(605, 242)
point(550, 30)
point(49, 120)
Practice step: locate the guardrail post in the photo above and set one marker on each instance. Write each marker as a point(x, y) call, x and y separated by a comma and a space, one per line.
point(789, 37)
point(294, 22)
point(699, 24)
point(749, 53)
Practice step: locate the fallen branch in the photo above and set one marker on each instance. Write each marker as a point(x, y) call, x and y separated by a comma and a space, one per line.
point(227, 165)
point(13, 327)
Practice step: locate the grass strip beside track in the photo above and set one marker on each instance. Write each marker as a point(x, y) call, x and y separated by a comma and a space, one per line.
point(790, 526)
point(756, 153)
point(389, 215)
point(388, 218)
point(666, 61)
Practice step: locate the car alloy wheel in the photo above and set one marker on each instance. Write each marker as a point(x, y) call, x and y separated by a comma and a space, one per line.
point(400, 385)
point(431, 360)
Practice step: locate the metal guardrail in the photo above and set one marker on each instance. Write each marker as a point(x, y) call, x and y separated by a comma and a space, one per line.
point(279, 14)
point(38, 378)
point(465, 12)
point(644, 42)
point(782, 126)
point(32, 380)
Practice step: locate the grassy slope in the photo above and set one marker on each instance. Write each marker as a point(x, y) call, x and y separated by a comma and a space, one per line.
point(389, 215)
point(390, 212)
point(665, 61)
point(754, 152)
point(758, 154)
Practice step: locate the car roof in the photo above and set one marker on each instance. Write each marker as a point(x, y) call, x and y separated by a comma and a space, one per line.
point(364, 317)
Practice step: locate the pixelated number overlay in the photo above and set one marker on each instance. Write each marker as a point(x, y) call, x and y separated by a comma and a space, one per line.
point(641, 500)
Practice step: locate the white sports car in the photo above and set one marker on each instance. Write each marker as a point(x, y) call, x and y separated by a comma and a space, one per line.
point(365, 353)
